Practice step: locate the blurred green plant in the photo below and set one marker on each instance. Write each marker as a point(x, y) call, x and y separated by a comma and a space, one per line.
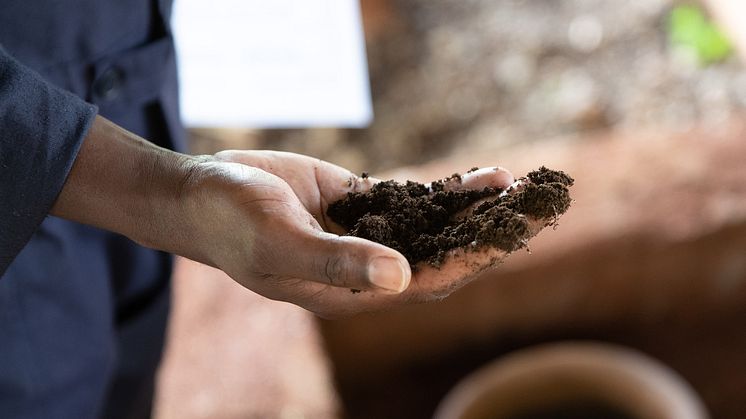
point(689, 28)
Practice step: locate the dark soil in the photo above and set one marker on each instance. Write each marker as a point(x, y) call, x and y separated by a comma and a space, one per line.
point(424, 225)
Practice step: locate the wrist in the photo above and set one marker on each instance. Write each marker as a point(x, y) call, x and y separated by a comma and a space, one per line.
point(122, 183)
point(201, 214)
point(172, 191)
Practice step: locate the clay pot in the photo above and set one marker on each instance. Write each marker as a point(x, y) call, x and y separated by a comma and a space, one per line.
point(573, 380)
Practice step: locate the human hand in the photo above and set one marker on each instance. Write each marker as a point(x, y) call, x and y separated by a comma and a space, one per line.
point(260, 217)
point(294, 252)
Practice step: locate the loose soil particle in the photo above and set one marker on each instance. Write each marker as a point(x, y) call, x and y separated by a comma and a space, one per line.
point(424, 224)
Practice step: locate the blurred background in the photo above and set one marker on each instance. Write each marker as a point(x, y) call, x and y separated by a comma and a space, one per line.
point(641, 101)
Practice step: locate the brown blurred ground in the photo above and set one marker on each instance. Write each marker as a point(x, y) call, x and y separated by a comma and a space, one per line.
point(233, 354)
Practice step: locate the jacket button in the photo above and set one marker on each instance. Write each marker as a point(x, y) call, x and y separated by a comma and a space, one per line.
point(109, 84)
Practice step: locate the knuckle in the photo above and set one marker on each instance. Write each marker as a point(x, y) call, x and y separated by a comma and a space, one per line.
point(331, 270)
point(335, 270)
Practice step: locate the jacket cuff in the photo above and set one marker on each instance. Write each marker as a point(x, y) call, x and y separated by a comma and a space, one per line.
point(41, 130)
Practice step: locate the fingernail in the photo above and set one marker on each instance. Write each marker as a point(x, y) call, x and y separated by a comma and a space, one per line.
point(388, 273)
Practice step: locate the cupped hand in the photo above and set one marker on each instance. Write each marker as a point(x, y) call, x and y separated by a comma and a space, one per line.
point(267, 228)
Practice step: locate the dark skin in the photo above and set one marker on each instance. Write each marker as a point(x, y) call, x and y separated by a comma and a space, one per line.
point(260, 217)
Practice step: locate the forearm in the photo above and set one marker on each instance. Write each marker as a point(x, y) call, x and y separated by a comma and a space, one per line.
point(122, 183)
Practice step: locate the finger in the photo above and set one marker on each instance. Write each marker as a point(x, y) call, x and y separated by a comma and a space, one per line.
point(337, 182)
point(428, 284)
point(513, 188)
point(315, 182)
point(488, 177)
point(336, 187)
point(333, 180)
point(346, 261)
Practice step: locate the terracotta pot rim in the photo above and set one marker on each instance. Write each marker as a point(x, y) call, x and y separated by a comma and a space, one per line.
point(589, 371)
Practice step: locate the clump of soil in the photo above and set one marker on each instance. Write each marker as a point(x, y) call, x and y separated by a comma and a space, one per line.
point(425, 223)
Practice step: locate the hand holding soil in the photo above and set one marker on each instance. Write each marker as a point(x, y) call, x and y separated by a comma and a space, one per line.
point(304, 215)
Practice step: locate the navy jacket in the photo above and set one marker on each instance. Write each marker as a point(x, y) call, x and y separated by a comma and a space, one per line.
point(102, 52)
point(82, 311)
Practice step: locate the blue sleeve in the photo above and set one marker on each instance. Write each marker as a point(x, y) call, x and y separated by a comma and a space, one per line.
point(41, 129)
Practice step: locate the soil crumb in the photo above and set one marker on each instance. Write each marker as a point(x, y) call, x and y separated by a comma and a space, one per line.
point(425, 223)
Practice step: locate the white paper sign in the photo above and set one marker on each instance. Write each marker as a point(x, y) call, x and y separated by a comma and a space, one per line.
point(272, 63)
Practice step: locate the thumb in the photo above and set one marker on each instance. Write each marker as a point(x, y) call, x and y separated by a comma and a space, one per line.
point(346, 261)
